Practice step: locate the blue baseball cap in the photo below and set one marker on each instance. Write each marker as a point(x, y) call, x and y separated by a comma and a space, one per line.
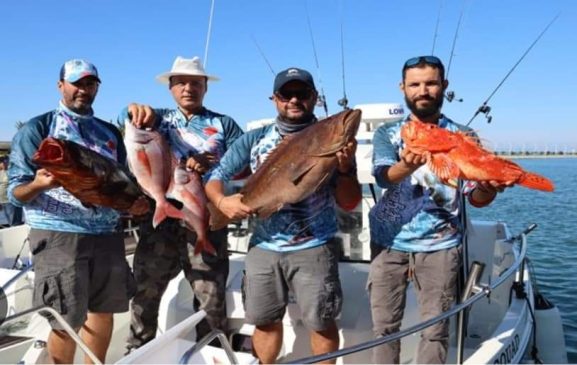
point(76, 69)
point(293, 74)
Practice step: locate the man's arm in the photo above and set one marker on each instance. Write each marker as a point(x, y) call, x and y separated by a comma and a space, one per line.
point(348, 190)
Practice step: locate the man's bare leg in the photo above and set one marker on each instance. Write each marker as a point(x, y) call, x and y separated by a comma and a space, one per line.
point(267, 342)
point(96, 333)
point(61, 347)
point(325, 341)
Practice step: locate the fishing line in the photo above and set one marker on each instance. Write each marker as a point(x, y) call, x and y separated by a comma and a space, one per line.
point(344, 101)
point(486, 109)
point(437, 27)
point(208, 33)
point(262, 54)
point(321, 98)
point(450, 95)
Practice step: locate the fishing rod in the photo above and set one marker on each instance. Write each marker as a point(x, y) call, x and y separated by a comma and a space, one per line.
point(262, 54)
point(322, 100)
point(208, 33)
point(450, 95)
point(344, 102)
point(485, 108)
point(437, 27)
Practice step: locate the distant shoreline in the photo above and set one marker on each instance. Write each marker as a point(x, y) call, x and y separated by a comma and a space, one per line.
point(514, 157)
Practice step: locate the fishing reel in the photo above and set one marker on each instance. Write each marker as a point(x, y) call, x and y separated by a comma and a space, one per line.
point(344, 102)
point(486, 109)
point(450, 95)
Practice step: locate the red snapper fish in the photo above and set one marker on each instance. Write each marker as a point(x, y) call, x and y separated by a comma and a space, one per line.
point(151, 161)
point(188, 189)
point(298, 166)
point(455, 155)
point(90, 177)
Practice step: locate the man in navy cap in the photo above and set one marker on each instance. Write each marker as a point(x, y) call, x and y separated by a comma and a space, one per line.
point(295, 248)
point(78, 251)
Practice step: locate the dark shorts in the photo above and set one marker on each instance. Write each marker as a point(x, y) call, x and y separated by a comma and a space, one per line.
point(311, 275)
point(79, 273)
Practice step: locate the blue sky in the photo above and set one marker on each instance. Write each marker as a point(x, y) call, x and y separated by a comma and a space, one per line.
point(131, 42)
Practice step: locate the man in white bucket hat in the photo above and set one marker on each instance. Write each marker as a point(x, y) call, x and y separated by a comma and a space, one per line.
point(199, 136)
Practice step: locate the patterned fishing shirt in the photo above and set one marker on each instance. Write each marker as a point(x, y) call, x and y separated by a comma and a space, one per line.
point(57, 209)
point(309, 223)
point(419, 214)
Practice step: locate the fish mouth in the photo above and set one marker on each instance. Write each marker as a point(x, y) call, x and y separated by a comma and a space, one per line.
point(352, 121)
point(49, 152)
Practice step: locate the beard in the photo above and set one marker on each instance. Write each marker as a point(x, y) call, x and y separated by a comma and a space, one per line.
point(436, 103)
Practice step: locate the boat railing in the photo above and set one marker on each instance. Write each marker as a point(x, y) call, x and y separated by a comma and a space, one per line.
point(481, 291)
point(65, 326)
point(196, 347)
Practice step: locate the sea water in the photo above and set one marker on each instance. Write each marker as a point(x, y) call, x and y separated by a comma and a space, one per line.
point(552, 247)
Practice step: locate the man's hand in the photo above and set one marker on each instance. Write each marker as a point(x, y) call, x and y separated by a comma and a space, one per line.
point(232, 207)
point(141, 116)
point(201, 162)
point(346, 158)
point(44, 180)
point(413, 160)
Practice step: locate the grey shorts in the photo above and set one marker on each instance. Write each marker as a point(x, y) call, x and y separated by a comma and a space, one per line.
point(80, 273)
point(311, 275)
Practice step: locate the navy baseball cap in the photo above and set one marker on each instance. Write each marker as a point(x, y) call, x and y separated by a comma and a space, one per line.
point(292, 74)
point(74, 70)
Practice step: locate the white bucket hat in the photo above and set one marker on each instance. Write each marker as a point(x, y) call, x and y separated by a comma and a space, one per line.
point(187, 67)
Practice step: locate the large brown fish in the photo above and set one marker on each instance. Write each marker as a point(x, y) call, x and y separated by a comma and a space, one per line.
point(151, 161)
point(89, 176)
point(298, 166)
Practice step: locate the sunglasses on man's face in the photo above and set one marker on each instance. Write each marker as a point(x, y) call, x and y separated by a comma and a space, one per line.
point(300, 94)
point(431, 60)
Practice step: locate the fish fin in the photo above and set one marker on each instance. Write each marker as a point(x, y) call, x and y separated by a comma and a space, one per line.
point(265, 213)
point(534, 181)
point(217, 219)
point(298, 174)
point(442, 166)
point(204, 245)
point(164, 210)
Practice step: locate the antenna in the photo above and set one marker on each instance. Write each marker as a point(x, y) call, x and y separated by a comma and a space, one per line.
point(208, 33)
point(450, 95)
point(262, 54)
point(437, 27)
point(322, 101)
point(484, 108)
point(344, 102)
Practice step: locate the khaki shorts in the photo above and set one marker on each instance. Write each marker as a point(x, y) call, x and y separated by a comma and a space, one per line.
point(311, 275)
point(79, 273)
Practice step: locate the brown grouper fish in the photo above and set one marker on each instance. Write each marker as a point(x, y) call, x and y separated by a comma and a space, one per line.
point(151, 161)
point(298, 166)
point(93, 179)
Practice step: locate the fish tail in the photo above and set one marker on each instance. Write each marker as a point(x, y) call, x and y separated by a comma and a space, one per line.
point(164, 210)
point(534, 181)
point(204, 245)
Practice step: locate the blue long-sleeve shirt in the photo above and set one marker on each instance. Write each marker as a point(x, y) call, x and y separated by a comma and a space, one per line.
point(419, 214)
point(56, 209)
point(309, 223)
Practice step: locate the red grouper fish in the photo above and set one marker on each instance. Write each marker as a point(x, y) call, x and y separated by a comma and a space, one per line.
point(151, 161)
point(90, 177)
point(455, 155)
point(298, 166)
point(188, 189)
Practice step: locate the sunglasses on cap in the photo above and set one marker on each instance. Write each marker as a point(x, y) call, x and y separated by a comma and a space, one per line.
point(431, 60)
point(300, 94)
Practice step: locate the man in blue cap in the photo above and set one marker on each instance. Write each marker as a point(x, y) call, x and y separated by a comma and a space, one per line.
point(295, 247)
point(78, 251)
